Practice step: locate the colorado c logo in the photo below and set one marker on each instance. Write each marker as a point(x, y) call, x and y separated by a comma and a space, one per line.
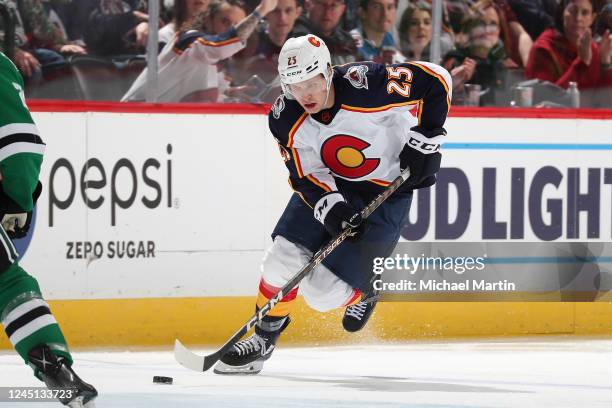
point(314, 41)
point(343, 155)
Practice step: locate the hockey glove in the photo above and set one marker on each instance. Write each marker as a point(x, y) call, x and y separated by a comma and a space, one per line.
point(17, 225)
point(335, 214)
point(15, 221)
point(421, 155)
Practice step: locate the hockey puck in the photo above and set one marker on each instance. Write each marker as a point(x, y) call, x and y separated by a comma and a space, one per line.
point(158, 379)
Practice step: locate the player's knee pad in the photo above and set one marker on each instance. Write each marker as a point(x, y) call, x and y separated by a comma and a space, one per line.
point(324, 291)
point(282, 261)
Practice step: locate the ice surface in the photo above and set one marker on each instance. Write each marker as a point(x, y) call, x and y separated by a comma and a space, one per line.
point(522, 373)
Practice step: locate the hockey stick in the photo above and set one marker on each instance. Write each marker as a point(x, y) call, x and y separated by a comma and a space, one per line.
point(195, 362)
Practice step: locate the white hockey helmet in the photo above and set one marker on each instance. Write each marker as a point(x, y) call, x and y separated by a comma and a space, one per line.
point(302, 58)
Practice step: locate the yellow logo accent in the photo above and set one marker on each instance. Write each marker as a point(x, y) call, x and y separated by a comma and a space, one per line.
point(350, 157)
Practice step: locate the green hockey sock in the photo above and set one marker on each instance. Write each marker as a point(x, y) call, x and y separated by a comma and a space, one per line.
point(26, 317)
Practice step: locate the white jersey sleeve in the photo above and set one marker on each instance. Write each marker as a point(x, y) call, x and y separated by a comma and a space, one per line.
point(209, 48)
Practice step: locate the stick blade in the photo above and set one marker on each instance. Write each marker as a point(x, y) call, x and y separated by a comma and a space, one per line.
point(191, 360)
point(187, 358)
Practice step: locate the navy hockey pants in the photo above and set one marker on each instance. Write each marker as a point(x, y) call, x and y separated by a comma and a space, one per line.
point(352, 261)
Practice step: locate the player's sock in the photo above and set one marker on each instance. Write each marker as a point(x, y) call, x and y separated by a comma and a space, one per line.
point(267, 292)
point(57, 374)
point(26, 317)
point(248, 355)
point(357, 315)
point(355, 298)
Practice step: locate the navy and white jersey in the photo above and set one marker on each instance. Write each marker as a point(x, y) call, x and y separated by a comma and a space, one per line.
point(187, 64)
point(360, 138)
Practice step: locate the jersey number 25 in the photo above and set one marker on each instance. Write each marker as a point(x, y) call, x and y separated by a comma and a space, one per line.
point(396, 84)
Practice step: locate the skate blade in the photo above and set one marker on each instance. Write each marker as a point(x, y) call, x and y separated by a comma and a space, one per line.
point(247, 369)
point(78, 403)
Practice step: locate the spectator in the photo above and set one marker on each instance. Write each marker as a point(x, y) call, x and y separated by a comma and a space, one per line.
point(47, 41)
point(415, 39)
point(483, 30)
point(377, 20)
point(222, 15)
point(184, 12)
point(415, 31)
point(567, 53)
point(117, 27)
point(323, 19)
point(516, 40)
point(260, 57)
point(26, 62)
point(28, 65)
point(33, 32)
point(280, 27)
point(187, 66)
point(73, 15)
point(47, 33)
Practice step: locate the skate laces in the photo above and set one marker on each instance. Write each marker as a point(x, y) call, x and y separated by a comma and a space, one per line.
point(357, 311)
point(253, 343)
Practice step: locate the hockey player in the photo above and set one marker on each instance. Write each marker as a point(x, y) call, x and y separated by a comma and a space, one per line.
point(344, 134)
point(26, 317)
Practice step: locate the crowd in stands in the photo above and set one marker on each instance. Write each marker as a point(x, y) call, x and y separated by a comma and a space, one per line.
point(96, 49)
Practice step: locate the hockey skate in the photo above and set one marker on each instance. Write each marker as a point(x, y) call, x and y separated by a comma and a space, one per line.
point(356, 316)
point(58, 375)
point(248, 355)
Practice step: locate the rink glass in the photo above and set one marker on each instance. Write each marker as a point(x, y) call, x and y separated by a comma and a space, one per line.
point(108, 77)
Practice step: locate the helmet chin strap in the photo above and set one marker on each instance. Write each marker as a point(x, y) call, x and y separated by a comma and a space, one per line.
point(330, 76)
point(326, 98)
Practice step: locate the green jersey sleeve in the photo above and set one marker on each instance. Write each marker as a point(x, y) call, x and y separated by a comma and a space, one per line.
point(21, 147)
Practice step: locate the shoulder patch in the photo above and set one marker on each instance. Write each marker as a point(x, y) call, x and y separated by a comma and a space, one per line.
point(283, 115)
point(278, 106)
point(356, 75)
